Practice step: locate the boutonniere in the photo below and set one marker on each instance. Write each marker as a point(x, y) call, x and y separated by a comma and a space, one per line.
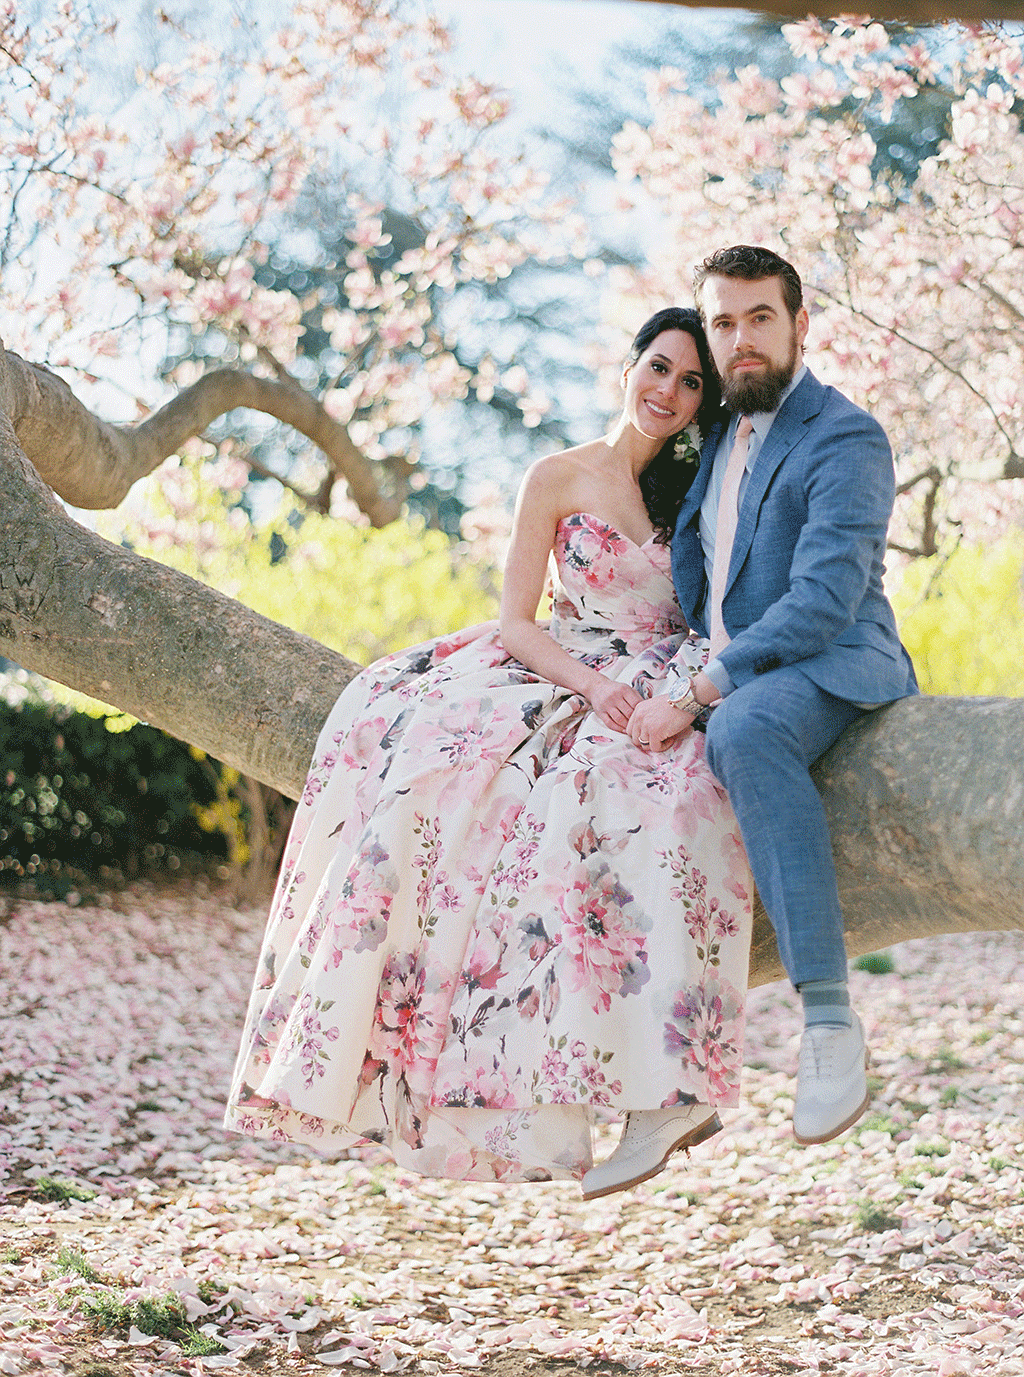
point(687, 446)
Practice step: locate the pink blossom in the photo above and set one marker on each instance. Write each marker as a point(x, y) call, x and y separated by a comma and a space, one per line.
point(600, 940)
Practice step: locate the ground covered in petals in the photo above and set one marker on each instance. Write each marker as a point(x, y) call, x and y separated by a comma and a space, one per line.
point(137, 1237)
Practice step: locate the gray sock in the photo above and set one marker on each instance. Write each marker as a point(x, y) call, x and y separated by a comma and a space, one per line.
point(826, 1001)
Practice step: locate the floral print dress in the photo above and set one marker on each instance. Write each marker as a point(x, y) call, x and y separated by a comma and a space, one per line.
point(495, 915)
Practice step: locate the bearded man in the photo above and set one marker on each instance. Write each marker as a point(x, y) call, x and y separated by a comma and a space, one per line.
point(778, 557)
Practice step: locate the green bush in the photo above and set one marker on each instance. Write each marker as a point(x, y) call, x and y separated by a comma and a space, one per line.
point(82, 805)
point(875, 963)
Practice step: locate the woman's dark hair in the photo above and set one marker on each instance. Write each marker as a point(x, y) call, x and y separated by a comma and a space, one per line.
point(666, 480)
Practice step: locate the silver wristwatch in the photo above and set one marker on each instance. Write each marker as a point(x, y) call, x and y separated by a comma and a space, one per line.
point(686, 700)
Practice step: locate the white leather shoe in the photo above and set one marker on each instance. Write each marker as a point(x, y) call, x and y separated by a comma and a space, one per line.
point(649, 1138)
point(832, 1085)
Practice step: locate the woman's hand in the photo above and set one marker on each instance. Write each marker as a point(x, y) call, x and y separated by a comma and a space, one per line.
point(613, 702)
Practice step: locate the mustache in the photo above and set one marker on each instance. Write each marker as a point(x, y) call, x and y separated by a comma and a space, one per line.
point(744, 358)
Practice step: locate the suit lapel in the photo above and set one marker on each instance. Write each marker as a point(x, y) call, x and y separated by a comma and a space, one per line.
point(788, 429)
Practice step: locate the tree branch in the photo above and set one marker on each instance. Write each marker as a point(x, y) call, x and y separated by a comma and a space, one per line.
point(907, 11)
point(93, 464)
point(167, 649)
point(935, 357)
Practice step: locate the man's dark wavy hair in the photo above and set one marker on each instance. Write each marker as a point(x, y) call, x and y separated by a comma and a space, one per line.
point(753, 264)
point(665, 481)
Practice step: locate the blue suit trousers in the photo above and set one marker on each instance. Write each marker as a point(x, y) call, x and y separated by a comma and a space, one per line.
point(761, 742)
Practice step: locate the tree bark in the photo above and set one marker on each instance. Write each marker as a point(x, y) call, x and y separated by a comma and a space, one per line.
point(154, 642)
point(925, 802)
point(925, 798)
point(92, 464)
point(910, 11)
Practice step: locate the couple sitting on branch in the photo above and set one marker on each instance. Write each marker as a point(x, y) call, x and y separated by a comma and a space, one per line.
point(517, 891)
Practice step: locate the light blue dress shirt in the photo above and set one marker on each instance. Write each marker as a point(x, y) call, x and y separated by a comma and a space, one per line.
point(762, 423)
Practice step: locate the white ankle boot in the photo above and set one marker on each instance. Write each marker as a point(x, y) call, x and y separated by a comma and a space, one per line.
point(649, 1138)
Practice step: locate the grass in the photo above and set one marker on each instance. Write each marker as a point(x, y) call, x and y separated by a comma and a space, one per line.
point(949, 1060)
point(9, 1254)
point(211, 1291)
point(875, 1219)
point(875, 963)
point(106, 1309)
point(71, 1260)
point(878, 1123)
point(938, 1149)
point(197, 1345)
point(56, 1189)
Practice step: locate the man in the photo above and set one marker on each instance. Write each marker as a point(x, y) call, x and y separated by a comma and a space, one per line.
point(778, 557)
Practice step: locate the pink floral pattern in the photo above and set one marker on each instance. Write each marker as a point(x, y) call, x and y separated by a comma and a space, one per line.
point(494, 915)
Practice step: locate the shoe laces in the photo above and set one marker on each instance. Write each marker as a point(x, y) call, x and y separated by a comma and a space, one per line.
point(633, 1125)
point(820, 1048)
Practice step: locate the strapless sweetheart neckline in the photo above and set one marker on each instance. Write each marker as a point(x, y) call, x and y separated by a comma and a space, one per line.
point(615, 529)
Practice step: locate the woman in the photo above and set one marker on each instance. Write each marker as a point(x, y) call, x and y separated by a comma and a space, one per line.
point(495, 913)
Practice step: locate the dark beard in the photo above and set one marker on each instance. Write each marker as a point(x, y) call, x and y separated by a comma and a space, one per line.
point(747, 395)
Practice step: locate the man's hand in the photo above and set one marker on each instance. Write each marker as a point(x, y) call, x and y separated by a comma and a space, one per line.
point(613, 702)
point(656, 725)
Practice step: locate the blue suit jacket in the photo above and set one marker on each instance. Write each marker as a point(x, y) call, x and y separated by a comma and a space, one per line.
point(804, 586)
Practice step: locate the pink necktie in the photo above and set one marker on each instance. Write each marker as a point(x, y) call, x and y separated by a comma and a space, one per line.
point(725, 531)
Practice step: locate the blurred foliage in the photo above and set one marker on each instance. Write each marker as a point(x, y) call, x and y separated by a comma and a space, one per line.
point(82, 805)
point(962, 619)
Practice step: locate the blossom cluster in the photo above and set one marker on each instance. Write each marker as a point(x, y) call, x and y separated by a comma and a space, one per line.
point(913, 278)
point(134, 227)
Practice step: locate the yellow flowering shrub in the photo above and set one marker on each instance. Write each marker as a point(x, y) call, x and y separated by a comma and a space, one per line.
point(363, 592)
point(962, 619)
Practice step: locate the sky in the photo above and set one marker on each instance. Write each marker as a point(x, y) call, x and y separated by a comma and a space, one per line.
point(528, 45)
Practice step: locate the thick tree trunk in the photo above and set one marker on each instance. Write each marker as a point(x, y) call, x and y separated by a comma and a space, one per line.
point(149, 640)
point(926, 798)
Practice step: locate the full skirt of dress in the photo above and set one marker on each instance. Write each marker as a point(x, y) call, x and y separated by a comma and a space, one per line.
point(495, 915)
